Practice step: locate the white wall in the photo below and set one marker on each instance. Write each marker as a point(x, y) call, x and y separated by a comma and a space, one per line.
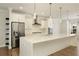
point(56, 26)
point(60, 27)
point(3, 15)
point(65, 27)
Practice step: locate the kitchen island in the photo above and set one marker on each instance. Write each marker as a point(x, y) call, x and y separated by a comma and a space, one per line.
point(44, 45)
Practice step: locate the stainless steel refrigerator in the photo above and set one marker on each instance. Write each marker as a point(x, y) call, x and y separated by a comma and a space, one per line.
point(17, 30)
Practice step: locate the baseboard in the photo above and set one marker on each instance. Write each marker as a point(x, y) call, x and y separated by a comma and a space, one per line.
point(9, 47)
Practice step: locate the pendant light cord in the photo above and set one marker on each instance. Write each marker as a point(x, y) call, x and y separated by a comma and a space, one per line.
point(60, 12)
point(67, 15)
point(34, 7)
point(50, 8)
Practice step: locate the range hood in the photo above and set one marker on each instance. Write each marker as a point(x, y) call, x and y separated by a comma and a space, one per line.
point(35, 21)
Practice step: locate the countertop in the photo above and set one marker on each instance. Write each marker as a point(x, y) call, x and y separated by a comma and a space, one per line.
point(43, 38)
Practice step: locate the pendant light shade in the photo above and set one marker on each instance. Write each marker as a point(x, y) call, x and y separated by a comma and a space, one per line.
point(34, 16)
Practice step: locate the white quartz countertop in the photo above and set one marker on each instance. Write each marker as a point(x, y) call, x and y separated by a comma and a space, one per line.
point(43, 38)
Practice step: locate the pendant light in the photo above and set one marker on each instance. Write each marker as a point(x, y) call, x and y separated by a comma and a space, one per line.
point(50, 22)
point(69, 24)
point(60, 8)
point(35, 16)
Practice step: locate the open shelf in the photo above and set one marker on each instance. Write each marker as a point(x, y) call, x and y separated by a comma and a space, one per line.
point(7, 31)
point(7, 43)
point(7, 18)
point(7, 28)
point(7, 23)
point(7, 38)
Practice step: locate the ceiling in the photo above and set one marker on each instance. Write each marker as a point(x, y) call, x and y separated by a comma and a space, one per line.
point(70, 10)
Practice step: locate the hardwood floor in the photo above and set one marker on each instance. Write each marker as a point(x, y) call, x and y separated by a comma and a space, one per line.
point(14, 52)
point(69, 51)
point(4, 51)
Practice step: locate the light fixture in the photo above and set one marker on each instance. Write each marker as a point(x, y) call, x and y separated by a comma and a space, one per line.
point(50, 22)
point(35, 16)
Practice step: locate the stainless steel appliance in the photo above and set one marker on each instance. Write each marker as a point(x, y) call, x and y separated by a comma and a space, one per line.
point(17, 30)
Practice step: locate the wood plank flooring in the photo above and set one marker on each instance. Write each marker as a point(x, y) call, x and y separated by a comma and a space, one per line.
point(15, 52)
point(69, 51)
point(4, 51)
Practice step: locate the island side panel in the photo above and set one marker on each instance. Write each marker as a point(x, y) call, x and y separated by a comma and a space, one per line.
point(26, 47)
point(49, 47)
